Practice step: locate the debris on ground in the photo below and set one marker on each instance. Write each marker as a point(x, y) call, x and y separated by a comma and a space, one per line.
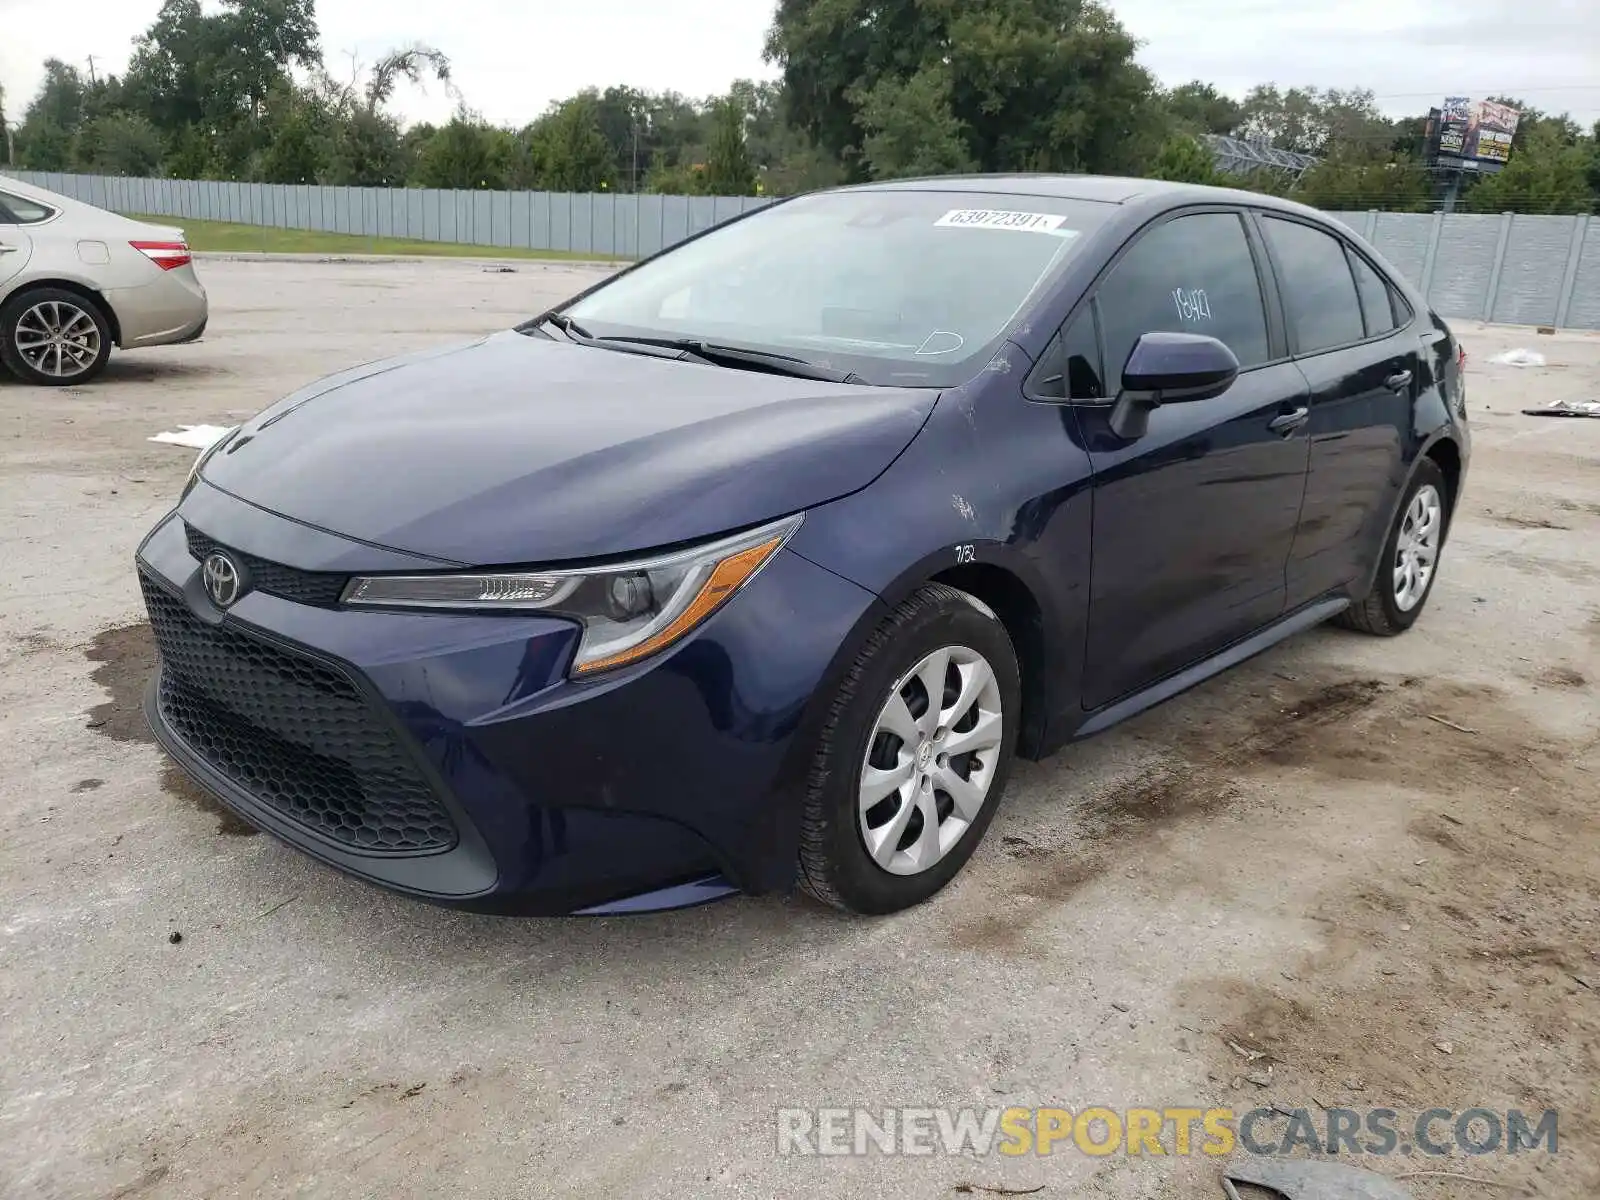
point(196, 437)
point(174, 937)
point(967, 1189)
point(1566, 408)
point(1518, 357)
point(1297, 1180)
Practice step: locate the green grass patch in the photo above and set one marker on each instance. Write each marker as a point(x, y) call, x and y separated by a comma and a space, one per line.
point(225, 236)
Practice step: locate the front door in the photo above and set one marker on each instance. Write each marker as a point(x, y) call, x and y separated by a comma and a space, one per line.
point(1194, 521)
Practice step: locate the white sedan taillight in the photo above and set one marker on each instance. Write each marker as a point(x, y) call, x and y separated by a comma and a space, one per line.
point(166, 255)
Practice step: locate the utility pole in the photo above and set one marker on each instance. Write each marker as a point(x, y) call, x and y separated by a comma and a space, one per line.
point(94, 79)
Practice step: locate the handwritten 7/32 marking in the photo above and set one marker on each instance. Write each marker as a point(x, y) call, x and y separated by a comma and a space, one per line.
point(967, 553)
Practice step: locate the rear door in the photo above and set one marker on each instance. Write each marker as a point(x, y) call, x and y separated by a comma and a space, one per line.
point(1349, 332)
point(16, 247)
point(1193, 522)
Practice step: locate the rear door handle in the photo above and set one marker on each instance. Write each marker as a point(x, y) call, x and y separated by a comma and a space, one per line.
point(1398, 381)
point(1287, 423)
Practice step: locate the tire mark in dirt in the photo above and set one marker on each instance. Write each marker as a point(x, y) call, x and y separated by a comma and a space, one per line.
point(1199, 776)
point(1479, 938)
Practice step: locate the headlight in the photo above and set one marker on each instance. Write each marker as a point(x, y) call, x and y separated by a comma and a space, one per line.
point(628, 610)
point(204, 457)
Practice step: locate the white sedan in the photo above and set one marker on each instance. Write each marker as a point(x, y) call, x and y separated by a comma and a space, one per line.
point(75, 279)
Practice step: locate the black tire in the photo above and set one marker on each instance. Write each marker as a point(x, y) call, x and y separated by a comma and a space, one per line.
point(20, 304)
point(835, 866)
point(1377, 612)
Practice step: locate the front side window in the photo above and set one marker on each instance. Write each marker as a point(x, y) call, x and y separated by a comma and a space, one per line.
point(1193, 274)
point(1319, 293)
point(912, 288)
point(17, 211)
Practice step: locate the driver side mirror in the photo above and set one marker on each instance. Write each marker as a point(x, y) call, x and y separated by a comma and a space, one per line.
point(1169, 368)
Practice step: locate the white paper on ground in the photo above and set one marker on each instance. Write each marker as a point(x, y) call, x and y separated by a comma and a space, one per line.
point(1519, 358)
point(198, 437)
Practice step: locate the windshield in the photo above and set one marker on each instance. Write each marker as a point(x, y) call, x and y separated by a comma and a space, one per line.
point(909, 288)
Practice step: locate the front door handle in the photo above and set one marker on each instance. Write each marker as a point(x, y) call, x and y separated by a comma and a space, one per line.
point(1287, 423)
point(1398, 381)
point(5, 249)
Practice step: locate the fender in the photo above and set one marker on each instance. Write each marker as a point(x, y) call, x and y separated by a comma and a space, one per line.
point(1368, 578)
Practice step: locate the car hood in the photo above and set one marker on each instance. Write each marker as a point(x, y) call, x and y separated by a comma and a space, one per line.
point(518, 449)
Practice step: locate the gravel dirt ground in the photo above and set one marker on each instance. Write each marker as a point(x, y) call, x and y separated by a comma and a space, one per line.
point(1357, 872)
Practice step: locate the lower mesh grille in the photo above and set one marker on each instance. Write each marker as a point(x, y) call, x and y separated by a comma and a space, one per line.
point(295, 733)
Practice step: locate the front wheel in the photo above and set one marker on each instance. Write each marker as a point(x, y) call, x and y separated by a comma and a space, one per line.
point(54, 337)
point(914, 756)
point(1410, 561)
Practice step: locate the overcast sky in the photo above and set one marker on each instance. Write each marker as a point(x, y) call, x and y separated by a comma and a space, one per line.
point(513, 56)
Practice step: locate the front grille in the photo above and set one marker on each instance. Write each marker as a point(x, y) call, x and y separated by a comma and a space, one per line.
point(295, 733)
point(319, 588)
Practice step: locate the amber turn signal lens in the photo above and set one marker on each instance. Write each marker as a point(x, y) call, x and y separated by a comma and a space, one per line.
point(729, 575)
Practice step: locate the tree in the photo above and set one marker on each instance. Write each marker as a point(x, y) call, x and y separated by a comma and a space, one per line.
point(729, 171)
point(465, 154)
point(1356, 177)
point(366, 149)
point(49, 127)
point(118, 144)
point(1017, 84)
point(297, 123)
point(569, 149)
point(1547, 174)
point(6, 150)
point(412, 63)
point(1200, 108)
point(1184, 160)
point(910, 128)
point(1309, 121)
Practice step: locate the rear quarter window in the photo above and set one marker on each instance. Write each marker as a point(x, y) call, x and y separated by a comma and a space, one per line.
point(15, 210)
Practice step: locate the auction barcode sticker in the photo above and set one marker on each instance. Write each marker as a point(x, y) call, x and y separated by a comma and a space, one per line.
point(988, 218)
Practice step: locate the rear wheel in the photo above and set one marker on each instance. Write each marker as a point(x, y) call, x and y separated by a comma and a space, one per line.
point(914, 756)
point(1410, 559)
point(54, 337)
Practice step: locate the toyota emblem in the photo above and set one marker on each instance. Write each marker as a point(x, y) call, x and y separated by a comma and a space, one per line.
point(221, 578)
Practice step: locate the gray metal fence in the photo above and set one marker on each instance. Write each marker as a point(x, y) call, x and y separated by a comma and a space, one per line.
point(622, 226)
point(1512, 269)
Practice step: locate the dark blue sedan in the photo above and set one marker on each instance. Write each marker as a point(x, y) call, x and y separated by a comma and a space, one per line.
point(760, 561)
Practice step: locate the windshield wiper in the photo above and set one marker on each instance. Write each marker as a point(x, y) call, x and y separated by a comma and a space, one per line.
point(577, 333)
point(698, 350)
point(567, 326)
point(775, 363)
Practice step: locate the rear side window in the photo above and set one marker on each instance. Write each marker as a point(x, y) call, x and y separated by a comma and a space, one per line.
point(1319, 292)
point(1377, 306)
point(15, 210)
point(1193, 274)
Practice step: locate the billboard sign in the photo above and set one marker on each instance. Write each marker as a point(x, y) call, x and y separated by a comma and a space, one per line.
point(1477, 131)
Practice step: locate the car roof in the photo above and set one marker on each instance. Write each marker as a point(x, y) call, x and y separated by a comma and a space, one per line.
point(1103, 189)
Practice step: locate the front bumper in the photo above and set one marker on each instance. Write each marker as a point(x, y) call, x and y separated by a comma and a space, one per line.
point(448, 757)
